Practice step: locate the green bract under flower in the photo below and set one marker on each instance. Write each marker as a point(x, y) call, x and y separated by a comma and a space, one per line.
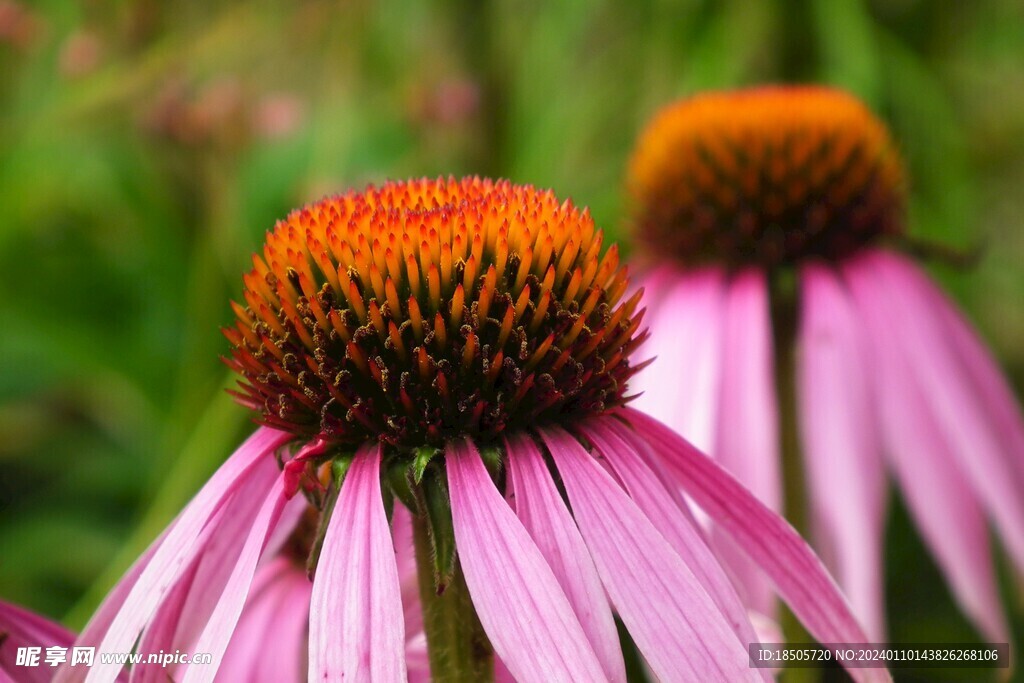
point(419, 311)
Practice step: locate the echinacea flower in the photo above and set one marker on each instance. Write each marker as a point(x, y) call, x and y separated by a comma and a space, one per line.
point(21, 629)
point(460, 349)
point(733, 192)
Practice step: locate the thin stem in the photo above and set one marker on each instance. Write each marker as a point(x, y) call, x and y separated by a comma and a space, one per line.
point(784, 326)
point(456, 642)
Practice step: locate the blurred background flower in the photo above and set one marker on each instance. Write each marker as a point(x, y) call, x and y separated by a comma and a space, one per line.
point(145, 147)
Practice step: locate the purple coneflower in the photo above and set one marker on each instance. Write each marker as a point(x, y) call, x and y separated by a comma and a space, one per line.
point(460, 349)
point(732, 192)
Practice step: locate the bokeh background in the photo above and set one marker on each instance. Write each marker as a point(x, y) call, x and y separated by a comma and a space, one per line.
point(145, 147)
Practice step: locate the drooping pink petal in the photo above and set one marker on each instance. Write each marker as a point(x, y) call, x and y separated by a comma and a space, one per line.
point(217, 633)
point(542, 511)
point(669, 515)
point(288, 636)
point(181, 617)
point(159, 632)
point(21, 628)
point(993, 390)
point(501, 672)
point(676, 625)
point(258, 625)
point(842, 453)
point(973, 436)
point(108, 609)
point(770, 541)
point(357, 630)
point(523, 610)
point(686, 330)
point(178, 547)
point(417, 658)
point(746, 431)
point(290, 518)
point(942, 503)
point(405, 557)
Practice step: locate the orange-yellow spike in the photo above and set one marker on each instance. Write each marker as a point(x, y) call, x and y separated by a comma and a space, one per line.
point(355, 302)
point(469, 277)
point(469, 351)
point(412, 271)
point(440, 332)
point(377, 282)
point(541, 311)
point(396, 340)
point(458, 303)
point(573, 288)
point(486, 292)
point(423, 363)
point(522, 302)
point(415, 318)
point(377, 319)
point(434, 287)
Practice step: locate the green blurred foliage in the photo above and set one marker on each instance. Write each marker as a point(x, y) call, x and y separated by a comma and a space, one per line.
point(146, 146)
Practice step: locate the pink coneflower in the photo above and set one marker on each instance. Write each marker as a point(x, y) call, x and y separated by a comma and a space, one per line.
point(733, 191)
point(460, 349)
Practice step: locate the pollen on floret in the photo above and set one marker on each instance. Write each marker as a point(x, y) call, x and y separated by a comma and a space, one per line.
point(767, 175)
point(418, 311)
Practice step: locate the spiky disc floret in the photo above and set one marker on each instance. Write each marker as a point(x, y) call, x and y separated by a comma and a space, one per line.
point(767, 175)
point(417, 311)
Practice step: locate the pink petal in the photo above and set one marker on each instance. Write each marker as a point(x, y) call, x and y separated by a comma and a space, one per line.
point(747, 435)
point(973, 436)
point(356, 625)
point(676, 625)
point(681, 387)
point(186, 609)
point(180, 545)
point(108, 610)
point(288, 635)
point(841, 445)
point(290, 518)
point(217, 633)
point(669, 515)
point(769, 540)
point(22, 628)
point(993, 390)
point(159, 632)
point(524, 612)
point(405, 558)
point(542, 512)
point(501, 672)
point(417, 658)
point(942, 503)
point(257, 626)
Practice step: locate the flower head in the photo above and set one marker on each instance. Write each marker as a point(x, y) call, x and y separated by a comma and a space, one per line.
point(455, 354)
point(732, 187)
point(765, 176)
point(420, 311)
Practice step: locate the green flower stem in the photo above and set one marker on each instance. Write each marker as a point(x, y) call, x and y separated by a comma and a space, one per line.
point(784, 325)
point(458, 647)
